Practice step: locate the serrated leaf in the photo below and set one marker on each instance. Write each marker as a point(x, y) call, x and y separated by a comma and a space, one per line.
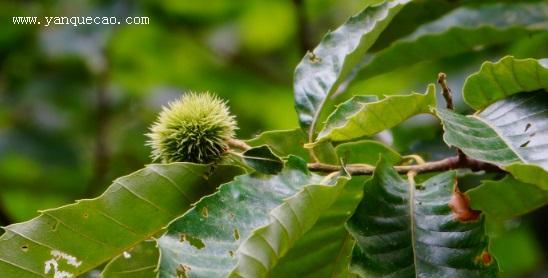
point(320, 72)
point(528, 173)
point(78, 237)
point(248, 225)
point(359, 116)
point(263, 160)
point(367, 152)
point(283, 142)
point(325, 152)
point(404, 230)
point(511, 130)
point(462, 30)
point(291, 142)
point(324, 251)
point(509, 76)
point(507, 198)
point(139, 262)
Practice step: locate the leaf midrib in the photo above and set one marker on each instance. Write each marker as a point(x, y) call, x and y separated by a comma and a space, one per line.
point(411, 189)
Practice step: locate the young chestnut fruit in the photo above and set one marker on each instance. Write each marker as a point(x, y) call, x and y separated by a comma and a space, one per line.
point(194, 128)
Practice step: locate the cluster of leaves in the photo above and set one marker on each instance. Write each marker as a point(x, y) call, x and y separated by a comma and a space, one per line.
point(274, 217)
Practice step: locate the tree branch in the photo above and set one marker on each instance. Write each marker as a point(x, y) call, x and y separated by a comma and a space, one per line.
point(449, 163)
point(238, 144)
point(446, 91)
point(448, 96)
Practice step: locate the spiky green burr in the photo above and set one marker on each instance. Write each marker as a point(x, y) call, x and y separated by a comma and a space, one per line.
point(195, 128)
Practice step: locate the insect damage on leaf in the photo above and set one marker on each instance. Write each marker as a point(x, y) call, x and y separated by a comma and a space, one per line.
point(204, 212)
point(193, 241)
point(182, 271)
point(53, 264)
point(236, 234)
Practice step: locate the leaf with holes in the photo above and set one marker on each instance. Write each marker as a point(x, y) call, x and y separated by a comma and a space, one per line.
point(321, 71)
point(403, 229)
point(362, 116)
point(78, 237)
point(139, 262)
point(511, 130)
point(249, 224)
point(462, 30)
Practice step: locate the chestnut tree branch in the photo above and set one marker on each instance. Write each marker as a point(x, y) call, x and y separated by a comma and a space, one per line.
point(448, 96)
point(434, 166)
point(449, 163)
point(238, 144)
point(446, 91)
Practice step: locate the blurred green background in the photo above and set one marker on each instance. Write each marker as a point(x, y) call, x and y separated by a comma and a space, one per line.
point(75, 102)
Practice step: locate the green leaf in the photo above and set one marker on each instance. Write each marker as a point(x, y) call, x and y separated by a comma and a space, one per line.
point(325, 152)
point(511, 130)
point(462, 30)
point(324, 251)
point(507, 198)
point(359, 116)
point(283, 142)
point(290, 142)
point(81, 236)
point(506, 77)
point(528, 173)
point(367, 152)
point(139, 262)
point(404, 230)
point(263, 160)
point(248, 225)
point(321, 71)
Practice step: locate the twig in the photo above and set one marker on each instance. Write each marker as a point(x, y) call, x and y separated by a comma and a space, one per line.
point(433, 166)
point(238, 144)
point(448, 96)
point(446, 91)
point(454, 162)
point(304, 39)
